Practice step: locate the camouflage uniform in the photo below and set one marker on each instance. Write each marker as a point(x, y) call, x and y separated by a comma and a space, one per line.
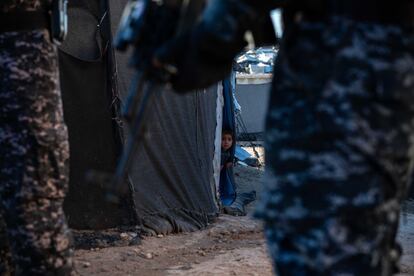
point(339, 140)
point(34, 236)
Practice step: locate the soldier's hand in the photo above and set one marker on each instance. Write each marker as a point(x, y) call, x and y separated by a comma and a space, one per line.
point(189, 67)
point(204, 55)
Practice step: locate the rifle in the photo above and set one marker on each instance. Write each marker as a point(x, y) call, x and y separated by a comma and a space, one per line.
point(145, 25)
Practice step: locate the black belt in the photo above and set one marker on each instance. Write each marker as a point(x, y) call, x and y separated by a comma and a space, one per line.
point(24, 21)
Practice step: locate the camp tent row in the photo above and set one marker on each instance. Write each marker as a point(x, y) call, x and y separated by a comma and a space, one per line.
point(174, 178)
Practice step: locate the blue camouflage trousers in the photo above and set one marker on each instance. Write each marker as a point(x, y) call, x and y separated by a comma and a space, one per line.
point(339, 141)
point(34, 237)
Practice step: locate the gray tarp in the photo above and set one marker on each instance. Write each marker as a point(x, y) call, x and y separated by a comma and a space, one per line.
point(173, 172)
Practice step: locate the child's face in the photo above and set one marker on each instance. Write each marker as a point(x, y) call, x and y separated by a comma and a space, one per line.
point(226, 141)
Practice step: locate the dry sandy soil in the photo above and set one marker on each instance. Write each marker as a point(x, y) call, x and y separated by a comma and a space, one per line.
point(231, 246)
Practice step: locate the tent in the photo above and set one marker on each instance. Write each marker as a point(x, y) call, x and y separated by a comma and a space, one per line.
point(252, 93)
point(86, 70)
point(253, 80)
point(173, 181)
point(173, 174)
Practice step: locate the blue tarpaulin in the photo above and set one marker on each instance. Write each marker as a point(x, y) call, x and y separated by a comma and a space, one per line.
point(242, 154)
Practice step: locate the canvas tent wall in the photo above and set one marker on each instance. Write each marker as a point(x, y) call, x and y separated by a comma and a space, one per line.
point(88, 92)
point(173, 175)
point(172, 181)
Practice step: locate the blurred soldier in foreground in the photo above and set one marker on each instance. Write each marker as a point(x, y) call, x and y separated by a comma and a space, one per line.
point(340, 126)
point(34, 237)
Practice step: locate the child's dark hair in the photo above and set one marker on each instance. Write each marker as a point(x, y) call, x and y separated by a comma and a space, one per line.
point(227, 132)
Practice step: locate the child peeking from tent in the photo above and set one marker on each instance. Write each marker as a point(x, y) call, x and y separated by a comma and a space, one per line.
point(226, 144)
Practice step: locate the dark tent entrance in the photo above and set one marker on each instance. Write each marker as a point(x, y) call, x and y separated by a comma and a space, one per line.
point(94, 143)
point(173, 183)
point(87, 83)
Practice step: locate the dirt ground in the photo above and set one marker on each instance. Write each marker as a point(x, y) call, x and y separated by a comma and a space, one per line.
point(230, 246)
